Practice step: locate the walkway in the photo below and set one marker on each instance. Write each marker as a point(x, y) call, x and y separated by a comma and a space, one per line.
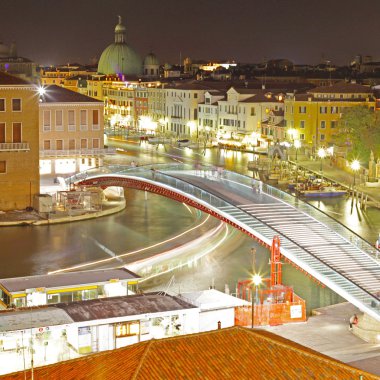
point(322, 247)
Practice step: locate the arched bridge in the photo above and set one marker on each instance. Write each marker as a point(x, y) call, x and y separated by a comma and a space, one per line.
point(310, 240)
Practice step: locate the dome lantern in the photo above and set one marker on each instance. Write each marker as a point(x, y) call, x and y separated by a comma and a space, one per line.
point(120, 33)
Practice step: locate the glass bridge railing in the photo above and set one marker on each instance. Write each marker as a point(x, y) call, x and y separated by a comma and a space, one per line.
point(297, 203)
point(165, 173)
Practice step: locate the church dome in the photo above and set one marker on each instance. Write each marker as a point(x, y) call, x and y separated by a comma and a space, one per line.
point(151, 60)
point(119, 58)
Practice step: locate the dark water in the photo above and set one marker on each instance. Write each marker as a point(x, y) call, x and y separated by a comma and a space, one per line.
point(32, 250)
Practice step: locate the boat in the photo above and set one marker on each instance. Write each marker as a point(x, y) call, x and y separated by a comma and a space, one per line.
point(327, 191)
point(183, 142)
point(158, 140)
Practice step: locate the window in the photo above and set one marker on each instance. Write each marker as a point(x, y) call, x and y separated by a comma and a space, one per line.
point(71, 120)
point(302, 123)
point(2, 105)
point(16, 105)
point(333, 124)
point(322, 109)
point(83, 143)
point(322, 137)
point(72, 144)
point(334, 109)
point(2, 132)
point(46, 144)
point(83, 120)
point(16, 132)
point(58, 120)
point(95, 143)
point(127, 329)
point(3, 166)
point(95, 120)
point(59, 144)
point(46, 120)
point(323, 124)
point(252, 111)
point(302, 136)
point(195, 96)
point(302, 109)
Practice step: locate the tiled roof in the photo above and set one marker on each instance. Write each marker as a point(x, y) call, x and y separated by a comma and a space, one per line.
point(56, 94)
point(9, 80)
point(233, 353)
point(122, 306)
point(342, 88)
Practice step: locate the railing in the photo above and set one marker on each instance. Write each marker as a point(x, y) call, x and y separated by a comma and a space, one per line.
point(76, 152)
point(9, 147)
point(165, 174)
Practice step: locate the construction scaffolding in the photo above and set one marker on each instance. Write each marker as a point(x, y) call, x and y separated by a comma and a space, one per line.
point(277, 303)
point(78, 201)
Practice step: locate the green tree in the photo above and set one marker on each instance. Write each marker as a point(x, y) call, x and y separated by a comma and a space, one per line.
point(359, 131)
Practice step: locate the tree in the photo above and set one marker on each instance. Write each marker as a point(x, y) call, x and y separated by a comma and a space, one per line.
point(359, 131)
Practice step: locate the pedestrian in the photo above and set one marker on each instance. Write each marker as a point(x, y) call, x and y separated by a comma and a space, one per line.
point(260, 187)
point(353, 321)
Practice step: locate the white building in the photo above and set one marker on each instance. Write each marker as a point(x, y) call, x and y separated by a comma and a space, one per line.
point(182, 109)
point(215, 307)
point(59, 332)
point(244, 110)
point(208, 114)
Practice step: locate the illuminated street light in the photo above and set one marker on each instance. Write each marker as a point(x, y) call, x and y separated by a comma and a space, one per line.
point(321, 155)
point(256, 281)
point(355, 166)
point(41, 90)
point(297, 145)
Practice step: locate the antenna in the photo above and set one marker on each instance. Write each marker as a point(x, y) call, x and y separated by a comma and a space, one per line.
point(170, 283)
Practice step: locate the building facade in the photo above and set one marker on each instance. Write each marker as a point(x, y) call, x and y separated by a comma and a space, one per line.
point(313, 117)
point(19, 144)
point(71, 131)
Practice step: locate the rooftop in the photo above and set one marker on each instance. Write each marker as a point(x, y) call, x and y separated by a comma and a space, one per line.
point(10, 80)
point(221, 354)
point(114, 307)
point(56, 94)
point(20, 284)
point(342, 88)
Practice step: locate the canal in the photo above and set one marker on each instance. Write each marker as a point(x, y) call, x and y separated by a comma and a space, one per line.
point(30, 250)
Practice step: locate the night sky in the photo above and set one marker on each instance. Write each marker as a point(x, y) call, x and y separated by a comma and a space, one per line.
point(304, 31)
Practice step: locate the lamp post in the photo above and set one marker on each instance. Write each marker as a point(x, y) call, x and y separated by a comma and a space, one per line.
point(256, 281)
point(297, 145)
point(355, 166)
point(292, 134)
point(321, 155)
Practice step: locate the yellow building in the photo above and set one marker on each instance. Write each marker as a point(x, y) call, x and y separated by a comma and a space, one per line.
point(19, 169)
point(313, 117)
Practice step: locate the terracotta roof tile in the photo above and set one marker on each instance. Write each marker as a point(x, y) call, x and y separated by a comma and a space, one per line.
point(233, 353)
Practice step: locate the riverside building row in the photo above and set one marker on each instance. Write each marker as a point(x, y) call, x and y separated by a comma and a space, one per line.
point(241, 112)
point(53, 130)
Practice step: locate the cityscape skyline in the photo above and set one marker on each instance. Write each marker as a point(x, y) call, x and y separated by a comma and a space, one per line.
point(242, 31)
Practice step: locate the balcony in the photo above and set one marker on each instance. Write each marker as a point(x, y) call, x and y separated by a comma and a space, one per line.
point(14, 147)
point(75, 152)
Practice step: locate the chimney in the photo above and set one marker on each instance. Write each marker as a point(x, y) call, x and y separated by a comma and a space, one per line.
point(219, 325)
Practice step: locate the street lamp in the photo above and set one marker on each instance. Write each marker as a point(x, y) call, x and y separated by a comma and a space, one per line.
point(297, 145)
point(321, 155)
point(355, 166)
point(256, 281)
